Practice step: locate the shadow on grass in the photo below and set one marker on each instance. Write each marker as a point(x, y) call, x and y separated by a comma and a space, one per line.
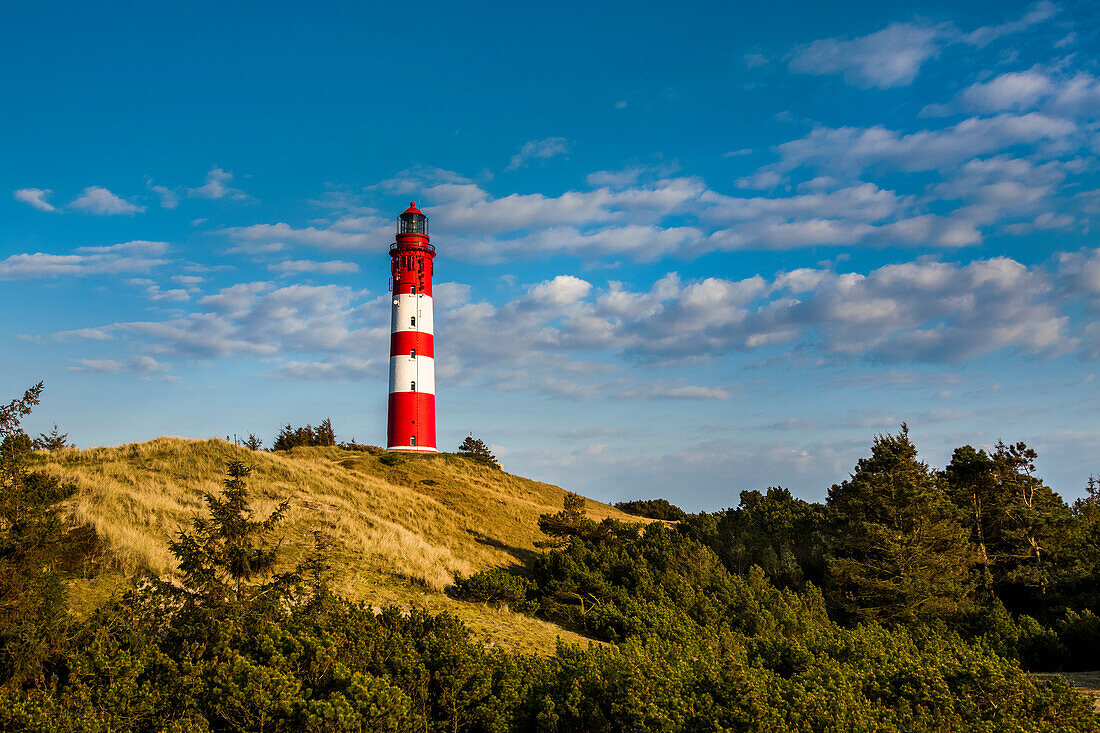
point(522, 555)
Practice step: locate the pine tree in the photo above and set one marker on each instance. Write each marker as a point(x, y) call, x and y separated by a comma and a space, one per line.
point(32, 594)
point(229, 559)
point(55, 440)
point(1035, 519)
point(475, 448)
point(898, 551)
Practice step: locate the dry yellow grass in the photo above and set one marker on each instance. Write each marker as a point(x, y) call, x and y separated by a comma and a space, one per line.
point(399, 533)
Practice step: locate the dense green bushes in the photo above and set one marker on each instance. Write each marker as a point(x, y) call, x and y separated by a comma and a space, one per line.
point(497, 586)
point(716, 624)
point(652, 509)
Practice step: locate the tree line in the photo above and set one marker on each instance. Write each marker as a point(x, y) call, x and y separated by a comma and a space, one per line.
point(776, 615)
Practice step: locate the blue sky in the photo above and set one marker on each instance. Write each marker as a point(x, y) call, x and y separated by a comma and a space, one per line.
point(684, 249)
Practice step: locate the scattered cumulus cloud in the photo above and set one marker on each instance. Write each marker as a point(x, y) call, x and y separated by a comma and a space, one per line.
point(894, 56)
point(169, 199)
point(891, 57)
point(100, 201)
point(538, 149)
point(298, 267)
point(36, 197)
point(127, 257)
point(217, 187)
point(1037, 13)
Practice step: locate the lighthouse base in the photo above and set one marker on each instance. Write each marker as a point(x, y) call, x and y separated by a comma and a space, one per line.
point(411, 449)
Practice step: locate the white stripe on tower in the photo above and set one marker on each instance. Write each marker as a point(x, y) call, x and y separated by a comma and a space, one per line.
point(412, 373)
point(409, 371)
point(412, 313)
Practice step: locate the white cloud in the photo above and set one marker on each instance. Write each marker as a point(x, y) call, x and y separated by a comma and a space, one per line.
point(893, 56)
point(565, 336)
point(217, 187)
point(890, 57)
point(169, 199)
point(1037, 13)
point(364, 234)
point(298, 267)
point(127, 257)
point(535, 149)
point(1076, 96)
point(336, 369)
point(98, 200)
point(98, 366)
point(663, 391)
point(919, 311)
point(154, 292)
point(851, 149)
point(1014, 91)
point(258, 319)
point(144, 366)
point(36, 197)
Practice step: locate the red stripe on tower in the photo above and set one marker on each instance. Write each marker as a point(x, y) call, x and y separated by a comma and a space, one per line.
point(411, 424)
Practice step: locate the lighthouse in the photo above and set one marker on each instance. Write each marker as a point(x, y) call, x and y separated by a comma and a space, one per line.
point(411, 424)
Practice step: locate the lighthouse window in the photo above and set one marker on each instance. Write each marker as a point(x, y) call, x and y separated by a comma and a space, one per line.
point(412, 354)
point(414, 290)
point(412, 387)
point(412, 320)
point(412, 440)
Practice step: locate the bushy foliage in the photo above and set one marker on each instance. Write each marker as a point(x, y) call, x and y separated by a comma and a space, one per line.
point(496, 586)
point(699, 648)
point(652, 509)
point(291, 437)
point(699, 642)
point(776, 532)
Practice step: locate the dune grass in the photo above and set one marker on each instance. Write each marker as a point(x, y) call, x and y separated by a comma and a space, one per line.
point(399, 533)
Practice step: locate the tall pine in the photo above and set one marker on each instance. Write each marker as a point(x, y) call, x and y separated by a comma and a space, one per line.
point(898, 552)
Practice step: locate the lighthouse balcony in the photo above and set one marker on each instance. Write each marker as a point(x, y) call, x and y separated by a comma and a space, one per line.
point(411, 245)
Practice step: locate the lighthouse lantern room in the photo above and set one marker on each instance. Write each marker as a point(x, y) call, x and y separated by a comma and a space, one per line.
point(411, 425)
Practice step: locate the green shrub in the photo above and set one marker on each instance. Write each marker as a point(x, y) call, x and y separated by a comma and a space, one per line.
point(496, 586)
point(652, 509)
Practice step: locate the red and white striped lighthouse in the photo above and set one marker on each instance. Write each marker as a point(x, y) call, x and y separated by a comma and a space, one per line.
point(411, 424)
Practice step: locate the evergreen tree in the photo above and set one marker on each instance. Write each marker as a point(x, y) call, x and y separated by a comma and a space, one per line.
point(898, 550)
point(253, 443)
point(223, 557)
point(775, 531)
point(475, 448)
point(55, 440)
point(1035, 520)
point(32, 595)
point(290, 437)
point(324, 435)
point(1018, 525)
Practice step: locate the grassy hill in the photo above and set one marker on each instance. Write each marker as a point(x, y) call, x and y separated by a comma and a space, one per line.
point(399, 532)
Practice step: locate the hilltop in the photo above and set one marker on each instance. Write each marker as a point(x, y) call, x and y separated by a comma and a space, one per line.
point(401, 525)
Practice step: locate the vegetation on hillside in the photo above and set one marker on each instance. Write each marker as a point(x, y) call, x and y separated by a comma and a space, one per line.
point(475, 448)
point(652, 509)
point(907, 602)
point(291, 437)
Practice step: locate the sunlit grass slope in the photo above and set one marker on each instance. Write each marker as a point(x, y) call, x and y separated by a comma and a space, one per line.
point(399, 532)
